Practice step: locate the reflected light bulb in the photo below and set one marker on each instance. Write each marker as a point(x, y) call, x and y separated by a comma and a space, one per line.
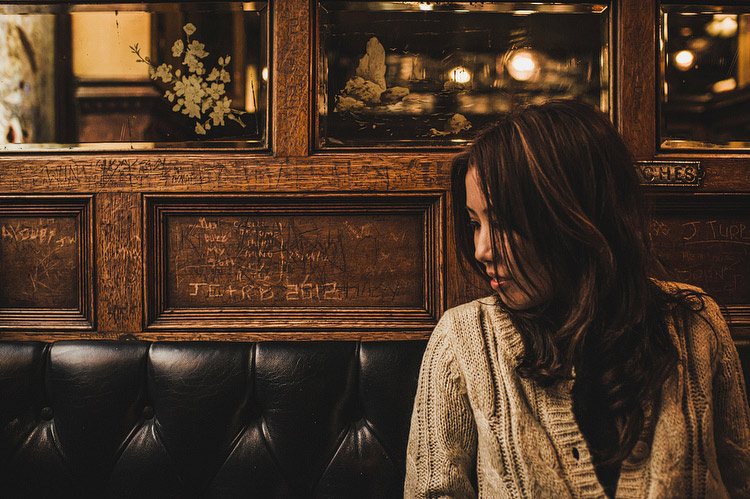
point(684, 60)
point(425, 6)
point(723, 25)
point(264, 74)
point(522, 65)
point(460, 75)
point(724, 85)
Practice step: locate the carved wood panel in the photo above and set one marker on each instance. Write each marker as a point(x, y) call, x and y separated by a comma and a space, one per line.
point(46, 262)
point(705, 241)
point(301, 262)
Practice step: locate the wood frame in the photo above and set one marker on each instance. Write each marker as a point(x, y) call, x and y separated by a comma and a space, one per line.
point(118, 181)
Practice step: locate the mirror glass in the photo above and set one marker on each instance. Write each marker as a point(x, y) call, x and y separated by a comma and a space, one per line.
point(433, 73)
point(133, 76)
point(705, 77)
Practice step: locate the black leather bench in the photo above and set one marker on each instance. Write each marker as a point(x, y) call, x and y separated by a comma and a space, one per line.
point(99, 419)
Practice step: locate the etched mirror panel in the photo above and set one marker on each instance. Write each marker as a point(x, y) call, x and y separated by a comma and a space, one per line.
point(705, 77)
point(133, 76)
point(432, 74)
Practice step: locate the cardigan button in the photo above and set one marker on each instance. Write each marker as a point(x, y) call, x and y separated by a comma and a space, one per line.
point(640, 452)
point(47, 413)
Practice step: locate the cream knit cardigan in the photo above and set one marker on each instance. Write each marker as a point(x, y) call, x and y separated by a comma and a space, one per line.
point(478, 429)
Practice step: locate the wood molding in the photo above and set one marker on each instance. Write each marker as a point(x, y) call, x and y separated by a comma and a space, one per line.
point(225, 172)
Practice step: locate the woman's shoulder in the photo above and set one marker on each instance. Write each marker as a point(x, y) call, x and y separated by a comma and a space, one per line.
point(708, 324)
point(472, 308)
point(675, 287)
point(470, 326)
point(471, 315)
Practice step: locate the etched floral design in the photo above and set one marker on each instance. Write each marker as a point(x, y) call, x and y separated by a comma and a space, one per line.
point(198, 97)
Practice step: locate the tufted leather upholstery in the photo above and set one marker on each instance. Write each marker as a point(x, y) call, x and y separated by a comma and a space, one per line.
point(96, 419)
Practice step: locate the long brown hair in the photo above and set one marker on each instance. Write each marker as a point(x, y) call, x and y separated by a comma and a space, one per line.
point(559, 176)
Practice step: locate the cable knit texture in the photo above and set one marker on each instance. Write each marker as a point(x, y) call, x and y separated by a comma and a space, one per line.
point(478, 429)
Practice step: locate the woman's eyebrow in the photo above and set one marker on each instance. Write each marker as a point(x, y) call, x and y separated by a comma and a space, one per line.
point(472, 212)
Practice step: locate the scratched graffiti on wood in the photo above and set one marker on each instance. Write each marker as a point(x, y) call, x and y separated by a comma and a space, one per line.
point(305, 260)
point(39, 262)
point(712, 252)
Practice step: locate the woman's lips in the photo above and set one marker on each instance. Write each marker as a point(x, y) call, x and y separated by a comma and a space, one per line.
point(499, 282)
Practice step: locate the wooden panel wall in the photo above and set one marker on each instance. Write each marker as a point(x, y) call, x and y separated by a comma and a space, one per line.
point(158, 245)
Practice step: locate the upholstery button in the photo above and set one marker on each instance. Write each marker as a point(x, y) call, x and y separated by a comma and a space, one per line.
point(47, 413)
point(576, 454)
point(640, 451)
point(148, 412)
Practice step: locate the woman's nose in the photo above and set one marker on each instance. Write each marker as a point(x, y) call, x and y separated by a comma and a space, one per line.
point(482, 245)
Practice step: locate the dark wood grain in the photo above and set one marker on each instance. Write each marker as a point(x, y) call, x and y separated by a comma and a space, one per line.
point(119, 262)
point(635, 75)
point(704, 240)
point(226, 172)
point(291, 77)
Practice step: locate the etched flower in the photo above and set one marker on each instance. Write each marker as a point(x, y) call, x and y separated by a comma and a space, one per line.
point(215, 91)
point(192, 93)
point(196, 49)
point(193, 64)
point(176, 108)
point(177, 48)
point(221, 109)
point(192, 109)
point(164, 72)
point(189, 28)
point(213, 75)
point(191, 89)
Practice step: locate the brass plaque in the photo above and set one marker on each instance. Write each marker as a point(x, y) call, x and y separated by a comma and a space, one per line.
point(670, 173)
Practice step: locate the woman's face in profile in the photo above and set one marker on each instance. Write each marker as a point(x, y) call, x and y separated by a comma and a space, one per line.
point(505, 276)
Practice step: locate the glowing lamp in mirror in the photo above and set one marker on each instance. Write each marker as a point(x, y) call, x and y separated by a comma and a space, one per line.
point(523, 65)
point(460, 75)
point(684, 59)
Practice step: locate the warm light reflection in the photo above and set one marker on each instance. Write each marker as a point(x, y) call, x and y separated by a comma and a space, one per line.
point(425, 6)
point(522, 65)
point(100, 44)
point(264, 74)
point(460, 75)
point(724, 85)
point(684, 60)
point(722, 25)
point(251, 87)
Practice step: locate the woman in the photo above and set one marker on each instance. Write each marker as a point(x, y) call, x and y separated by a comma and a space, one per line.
point(584, 375)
